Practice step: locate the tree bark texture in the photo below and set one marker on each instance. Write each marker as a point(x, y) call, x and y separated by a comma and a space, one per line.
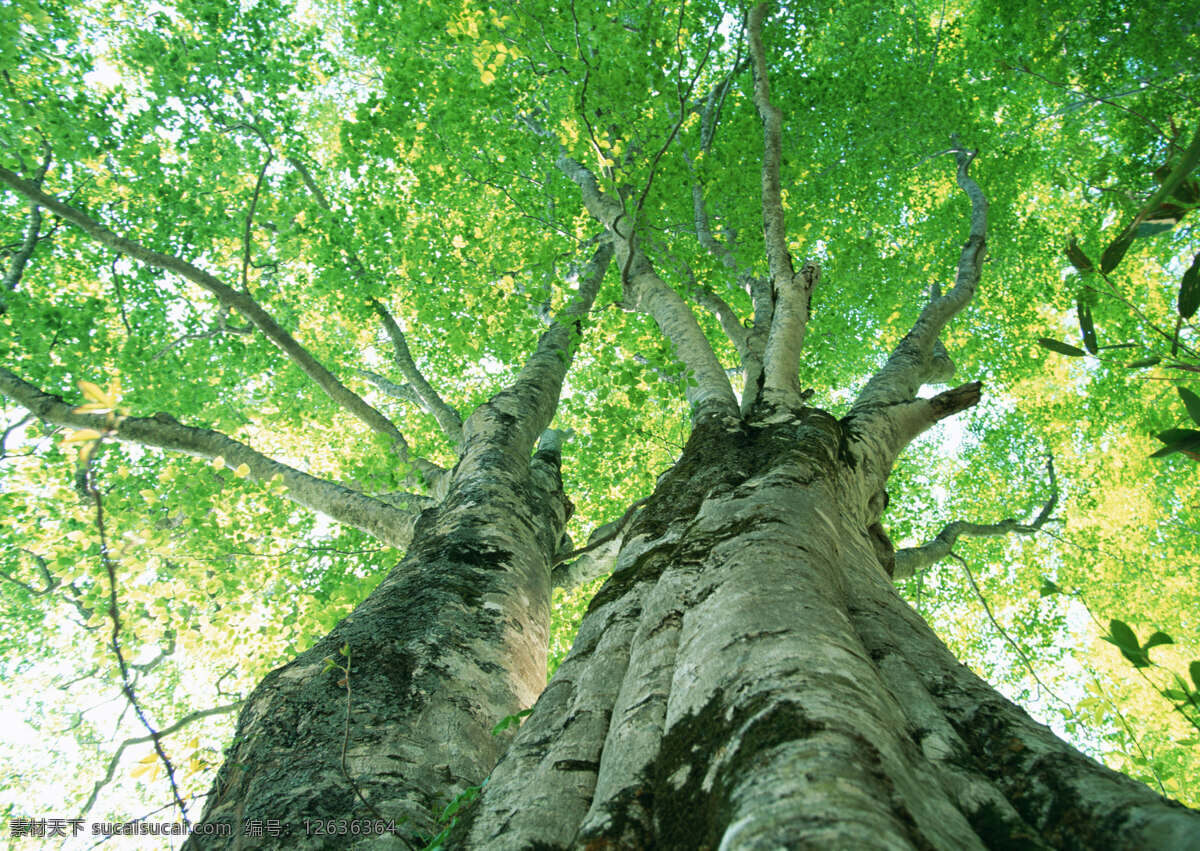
point(453, 640)
point(749, 678)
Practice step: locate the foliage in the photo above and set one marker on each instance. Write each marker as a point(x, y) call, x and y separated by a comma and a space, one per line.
point(316, 156)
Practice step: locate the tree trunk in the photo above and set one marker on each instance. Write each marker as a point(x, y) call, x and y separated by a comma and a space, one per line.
point(453, 640)
point(749, 678)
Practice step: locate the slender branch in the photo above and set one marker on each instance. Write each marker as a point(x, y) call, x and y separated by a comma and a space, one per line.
point(307, 177)
point(385, 522)
point(1108, 100)
point(1003, 632)
point(791, 292)
point(647, 292)
point(917, 359)
point(241, 302)
point(403, 392)
point(584, 564)
point(114, 613)
point(141, 740)
point(719, 308)
point(246, 237)
point(16, 267)
point(447, 418)
point(911, 560)
point(779, 259)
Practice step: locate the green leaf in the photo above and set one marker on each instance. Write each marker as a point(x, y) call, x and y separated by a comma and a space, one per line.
point(1048, 588)
point(1173, 435)
point(1156, 639)
point(1122, 636)
point(1115, 251)
point(1153, 360)
point(1060, 347)
point(1194, 670)
point(508, 720)
point(1189, 289)
point(1192, 402)
point(1078, 258)
point(1176, 694)
point(1086, 327)
point(1190, 443)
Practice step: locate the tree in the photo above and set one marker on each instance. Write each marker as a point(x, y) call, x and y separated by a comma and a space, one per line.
point(748, 674)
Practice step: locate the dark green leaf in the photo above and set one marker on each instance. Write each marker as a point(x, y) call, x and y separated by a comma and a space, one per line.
point(1154, 360)
point(1156, 639)
point(1060, 347)
point(1115, 251)
point(1188, 192)
point(1148, 229)
point(1078, 258)
point(1174, 435)
point(1194, 670)
point(1086, 328)
point(1176, 694)
point(1139, 658)
point(1187, 444)
point(1189, 290)
point(1048, 588)
point(1192, 402)
point(1122, 636)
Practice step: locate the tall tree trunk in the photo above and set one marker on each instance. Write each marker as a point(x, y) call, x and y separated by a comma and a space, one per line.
point(451, 641)
point(749, 678)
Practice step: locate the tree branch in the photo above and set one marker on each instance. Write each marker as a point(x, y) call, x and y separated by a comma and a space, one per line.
point(141, 740)
point(246, 237)
point(791, 292)
point(385, 522)
point(919, 358)
point(582, 565)
point(16, 268)
point(241, 302)
point(523, 410)
point(648, 293)
point(913, 559)
point(403, 392)
point(448, 418)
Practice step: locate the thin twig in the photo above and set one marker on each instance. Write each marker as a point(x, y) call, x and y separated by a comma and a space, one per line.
point(250, 222)
point(114, 614)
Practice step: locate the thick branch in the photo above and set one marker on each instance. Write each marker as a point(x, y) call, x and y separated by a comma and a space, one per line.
point(447, 418)
point(648, 293)
point(918, 359)
point(913, 559)
point(881, 432)
point(241, 302)
point(385, 522)
point(522, 412)
point(16, 268)
point(791, 293)
point(781, 358)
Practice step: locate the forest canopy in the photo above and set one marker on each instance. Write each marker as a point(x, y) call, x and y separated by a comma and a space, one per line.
point(289, 248)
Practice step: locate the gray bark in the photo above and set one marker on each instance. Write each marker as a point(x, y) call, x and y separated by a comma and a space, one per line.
point(453, 640)
point(749, 678)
